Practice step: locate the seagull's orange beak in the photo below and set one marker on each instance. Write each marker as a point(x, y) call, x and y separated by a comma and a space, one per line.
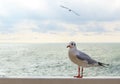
point(68, 46)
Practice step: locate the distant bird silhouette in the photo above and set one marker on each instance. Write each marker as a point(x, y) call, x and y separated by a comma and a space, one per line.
point(69, 10)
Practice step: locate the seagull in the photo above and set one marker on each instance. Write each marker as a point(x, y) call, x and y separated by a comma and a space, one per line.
point(81, 59)
point(70, 10)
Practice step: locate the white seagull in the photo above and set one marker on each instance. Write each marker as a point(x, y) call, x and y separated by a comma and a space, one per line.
point(70, 10)
point(81, 59)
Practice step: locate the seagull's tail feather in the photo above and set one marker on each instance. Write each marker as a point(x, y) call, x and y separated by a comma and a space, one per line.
point(102, 64)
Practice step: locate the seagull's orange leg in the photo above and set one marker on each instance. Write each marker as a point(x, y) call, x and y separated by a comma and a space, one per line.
point(79, 76)
point(82, 73)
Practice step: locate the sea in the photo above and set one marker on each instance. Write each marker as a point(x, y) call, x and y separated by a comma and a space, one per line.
point(51, 60)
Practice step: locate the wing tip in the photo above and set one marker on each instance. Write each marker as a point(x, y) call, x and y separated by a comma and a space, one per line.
point(103, 64)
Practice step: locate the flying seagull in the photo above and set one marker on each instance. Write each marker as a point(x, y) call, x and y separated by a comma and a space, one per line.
point(81, 59)
point(70, 10)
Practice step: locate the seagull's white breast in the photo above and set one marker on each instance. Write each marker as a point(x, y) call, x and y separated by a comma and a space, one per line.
point(72, 55)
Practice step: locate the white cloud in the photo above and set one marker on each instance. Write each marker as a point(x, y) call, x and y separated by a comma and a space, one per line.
point(11, 7)
point(111, 26)
point(25, 26)
point(36, 5)
point(24, 32)
point(99, 21)
point(3, 10)
point(59, 37)
point(93, 27)
point(35, 37)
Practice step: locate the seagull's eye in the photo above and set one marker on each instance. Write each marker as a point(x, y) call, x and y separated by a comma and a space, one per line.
point(72, 44)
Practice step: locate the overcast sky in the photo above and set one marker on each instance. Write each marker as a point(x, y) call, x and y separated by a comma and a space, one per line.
point(44, 21)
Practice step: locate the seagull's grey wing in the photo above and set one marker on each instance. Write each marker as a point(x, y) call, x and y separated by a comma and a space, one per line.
point(70, 10)
point(75, 13)
point(85, 57)
point(64, 7)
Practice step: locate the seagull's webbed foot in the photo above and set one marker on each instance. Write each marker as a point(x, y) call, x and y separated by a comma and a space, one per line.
point(78, 76)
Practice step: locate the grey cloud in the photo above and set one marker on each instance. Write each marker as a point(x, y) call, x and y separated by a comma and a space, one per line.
point(117, 29)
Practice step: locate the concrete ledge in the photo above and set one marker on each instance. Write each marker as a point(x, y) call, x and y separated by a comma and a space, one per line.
point(59, 81)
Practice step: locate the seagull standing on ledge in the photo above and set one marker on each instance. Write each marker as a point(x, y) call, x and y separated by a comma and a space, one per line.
point(81, 59)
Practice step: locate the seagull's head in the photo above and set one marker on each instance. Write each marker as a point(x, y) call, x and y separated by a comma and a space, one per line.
point(72, 44)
